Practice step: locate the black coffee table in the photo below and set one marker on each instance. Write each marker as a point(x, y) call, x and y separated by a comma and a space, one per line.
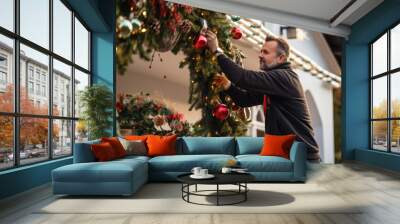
point(239, 179)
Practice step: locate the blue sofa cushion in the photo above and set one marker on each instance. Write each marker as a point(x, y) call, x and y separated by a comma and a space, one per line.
point(185, 163)
point(111, 171)
point(257, 163)
point(83, 153)
point(249, 145)
point(207, 145)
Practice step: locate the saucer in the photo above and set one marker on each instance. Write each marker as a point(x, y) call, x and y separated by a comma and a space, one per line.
point(208, 176)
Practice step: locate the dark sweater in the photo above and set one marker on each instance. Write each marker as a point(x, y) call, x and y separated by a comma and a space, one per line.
point(288, 111)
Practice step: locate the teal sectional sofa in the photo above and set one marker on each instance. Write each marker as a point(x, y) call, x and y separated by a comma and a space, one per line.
point(125, 176)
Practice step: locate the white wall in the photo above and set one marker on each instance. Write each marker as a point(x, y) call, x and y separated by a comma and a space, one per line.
point(321, 114)
point(174, 89)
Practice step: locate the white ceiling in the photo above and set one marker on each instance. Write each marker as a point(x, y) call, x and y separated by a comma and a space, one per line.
point(315, 15)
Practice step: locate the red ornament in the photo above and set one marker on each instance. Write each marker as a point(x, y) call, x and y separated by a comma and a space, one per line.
point(221, 112)
point(236, 33)
point(200, 42)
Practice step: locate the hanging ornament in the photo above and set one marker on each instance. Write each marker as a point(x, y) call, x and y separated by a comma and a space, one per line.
point(124, 27)
point(235, 18)
point(139, 3)
point(228, 99)
point(201, 40)
point(220, 112)
point(236, 33)
point(135, 24)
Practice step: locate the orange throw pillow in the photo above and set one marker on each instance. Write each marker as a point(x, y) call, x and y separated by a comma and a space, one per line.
point(136, 137)
point(277, 145)
point(161, 145)
point(103, 152)
point(116, 145)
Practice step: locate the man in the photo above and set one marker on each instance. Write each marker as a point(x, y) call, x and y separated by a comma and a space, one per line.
point(276, 86)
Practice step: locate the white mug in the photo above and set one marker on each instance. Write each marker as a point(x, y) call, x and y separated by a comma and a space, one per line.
point(196, 170)
point(226, 170)
point(203, 172)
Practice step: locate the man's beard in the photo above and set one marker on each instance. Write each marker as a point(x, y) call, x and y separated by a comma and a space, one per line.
point(266, 67)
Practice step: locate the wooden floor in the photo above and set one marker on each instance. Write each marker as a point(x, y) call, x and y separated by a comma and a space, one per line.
point(377, 188)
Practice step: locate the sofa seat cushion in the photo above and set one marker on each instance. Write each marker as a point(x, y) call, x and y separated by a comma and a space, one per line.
point(111, 171)
point(257, 163)
point(185, 163)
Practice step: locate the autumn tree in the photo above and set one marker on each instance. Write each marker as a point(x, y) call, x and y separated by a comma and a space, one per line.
point(380, 127)
point(33, 130)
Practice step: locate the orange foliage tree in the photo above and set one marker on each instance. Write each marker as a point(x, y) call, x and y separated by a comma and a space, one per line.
point(33, 130)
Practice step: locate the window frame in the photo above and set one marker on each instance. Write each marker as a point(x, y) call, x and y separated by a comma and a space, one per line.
point(388, 74)
point(16, 114)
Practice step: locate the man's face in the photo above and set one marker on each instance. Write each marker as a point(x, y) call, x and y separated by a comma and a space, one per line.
point(270, 56)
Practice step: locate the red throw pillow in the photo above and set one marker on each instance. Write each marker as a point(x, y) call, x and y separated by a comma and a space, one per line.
point(277, 145)
point(103, 151)
point(161, 145)
point(116, 145)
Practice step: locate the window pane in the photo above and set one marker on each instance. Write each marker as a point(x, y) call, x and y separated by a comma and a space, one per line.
point(35, 21)
point(6, 142)
point(81, 45)
point(62, 29)
point(62, 138)
point(62, 89)
point(81, 81)
point(379, 55)
point(395, 47)
point(395, 132)
point(81, 131)
point(35, 101)
point(379, 97)
point(379, 135)
point(7, 14)
point(33, 139)
point(395, 94)
point(6, 74)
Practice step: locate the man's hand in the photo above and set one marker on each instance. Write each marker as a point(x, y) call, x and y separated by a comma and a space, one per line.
point(212, 41)
point(221, 81)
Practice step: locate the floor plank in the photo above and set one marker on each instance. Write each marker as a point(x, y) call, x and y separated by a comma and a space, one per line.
point(376, 190)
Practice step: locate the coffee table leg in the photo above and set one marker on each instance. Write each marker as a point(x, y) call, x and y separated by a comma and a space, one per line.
point(217, 194)
point(196, 188)
point(245, 193)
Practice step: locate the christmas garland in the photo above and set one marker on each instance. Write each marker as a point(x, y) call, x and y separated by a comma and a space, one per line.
point(145, 27)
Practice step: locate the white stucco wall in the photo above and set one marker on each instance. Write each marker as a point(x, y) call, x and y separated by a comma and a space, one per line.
point(173, 89)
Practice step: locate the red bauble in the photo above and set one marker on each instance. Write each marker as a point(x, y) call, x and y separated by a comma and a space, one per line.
point(236, 33)
point(221, 112)
point(200, 42)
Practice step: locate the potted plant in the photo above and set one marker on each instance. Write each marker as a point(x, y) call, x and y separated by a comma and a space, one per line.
point(96, 102)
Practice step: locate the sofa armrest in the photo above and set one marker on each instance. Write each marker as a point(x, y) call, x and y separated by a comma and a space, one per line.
point(298, 155)
point(83, 152)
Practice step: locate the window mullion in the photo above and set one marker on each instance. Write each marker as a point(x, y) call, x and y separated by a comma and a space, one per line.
point(389, 106)
point(16, 84)
point(50, 81)
point(73, 82)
